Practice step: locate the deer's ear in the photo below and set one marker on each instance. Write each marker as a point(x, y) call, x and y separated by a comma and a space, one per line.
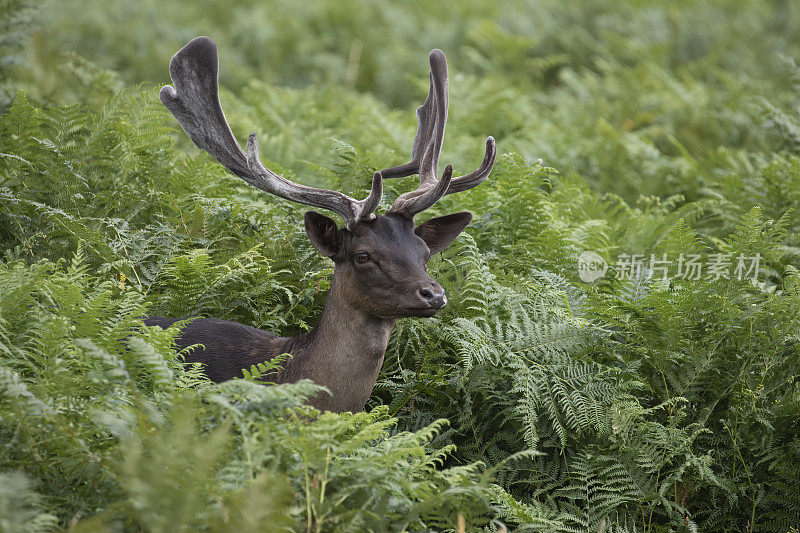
point(439, 232)
point(322, 231)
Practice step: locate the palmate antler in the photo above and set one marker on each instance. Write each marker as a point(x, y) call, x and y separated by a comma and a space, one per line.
point(195, 103)
point(431, 121)
point(194, 100)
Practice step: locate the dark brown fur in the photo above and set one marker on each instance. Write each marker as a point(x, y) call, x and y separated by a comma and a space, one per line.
point(344, 352)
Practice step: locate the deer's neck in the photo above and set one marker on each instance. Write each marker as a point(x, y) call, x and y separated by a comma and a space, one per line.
point(344, 352)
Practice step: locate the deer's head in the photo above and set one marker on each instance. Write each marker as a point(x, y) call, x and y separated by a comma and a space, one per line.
point(379, 259)
point(380, 263)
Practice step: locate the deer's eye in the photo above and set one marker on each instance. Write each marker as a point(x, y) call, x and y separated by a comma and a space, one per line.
point(362, 257)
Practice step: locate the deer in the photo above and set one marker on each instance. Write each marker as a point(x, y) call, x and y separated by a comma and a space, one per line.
point(379, 261)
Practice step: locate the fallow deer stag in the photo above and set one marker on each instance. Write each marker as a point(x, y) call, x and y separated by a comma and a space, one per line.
point(379, 274)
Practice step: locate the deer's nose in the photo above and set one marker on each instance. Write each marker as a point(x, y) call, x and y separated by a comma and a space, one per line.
point(433, 295)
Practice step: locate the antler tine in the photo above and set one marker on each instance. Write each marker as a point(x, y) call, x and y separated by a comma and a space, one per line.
point(476, 177)
point(431, 122)
point(194, 100)
point(417, 201)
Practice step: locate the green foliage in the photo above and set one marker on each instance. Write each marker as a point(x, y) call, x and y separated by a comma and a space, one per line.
point(16, 25)
point(113, 426)
point(261, 371)
point(20, 507)
point(646, 401)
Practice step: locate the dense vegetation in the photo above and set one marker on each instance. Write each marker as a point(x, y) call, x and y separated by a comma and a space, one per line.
point(647, 400)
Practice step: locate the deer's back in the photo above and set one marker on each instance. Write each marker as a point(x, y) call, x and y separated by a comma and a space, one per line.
point(228, 347)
